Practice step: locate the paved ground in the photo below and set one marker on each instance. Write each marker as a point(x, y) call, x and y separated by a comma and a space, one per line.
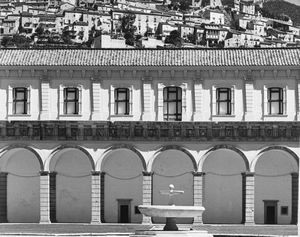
point(125, 229)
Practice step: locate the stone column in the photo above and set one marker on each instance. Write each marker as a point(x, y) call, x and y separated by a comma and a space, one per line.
point(248, 98)
point(44, 197)
point(3, 197)
point(198, 99)
point(52, 179)
point(147, 194)
point(295, 181)
point(45, 98)
point(248, 198)
point(198, 195)
point(96, 98)
point(102, 176)
point(148, 113)
point(96, 197)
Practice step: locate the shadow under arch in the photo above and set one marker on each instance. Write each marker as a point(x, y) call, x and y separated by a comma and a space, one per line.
point(270, 148)
point(99, 163)
point(223, 146)
point(171, 147)
point(29, 148)
point(68, 146)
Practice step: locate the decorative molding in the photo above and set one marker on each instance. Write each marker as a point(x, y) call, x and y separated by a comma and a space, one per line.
point(7, 72)
point(262, 73)
point(149, 131)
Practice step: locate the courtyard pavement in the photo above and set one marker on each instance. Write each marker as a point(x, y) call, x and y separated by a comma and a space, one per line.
point(7, 229)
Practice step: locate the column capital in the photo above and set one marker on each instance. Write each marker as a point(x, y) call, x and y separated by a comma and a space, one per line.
point(95, 173)
point(44, 173)
point(248, 174)
point(294, 174)
point(146, 173)
point(196, 173)
point(52, 173)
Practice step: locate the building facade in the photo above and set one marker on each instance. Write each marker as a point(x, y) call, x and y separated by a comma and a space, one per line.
point(88, 135)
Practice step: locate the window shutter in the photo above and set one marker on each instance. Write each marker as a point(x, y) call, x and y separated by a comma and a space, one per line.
point(61, 99)
point(79, 100)
point(232, 100)
point(28, 99)
point(284, 97)
point(265, 98)
point(130, 100)
point(10, 100)
point(213, 101)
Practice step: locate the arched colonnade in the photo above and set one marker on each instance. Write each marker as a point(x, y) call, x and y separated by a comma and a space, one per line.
point(70, 185)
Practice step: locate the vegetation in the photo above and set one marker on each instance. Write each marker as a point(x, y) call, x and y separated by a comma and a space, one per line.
point(279, 9)
point(128, 29)
point(174, 38)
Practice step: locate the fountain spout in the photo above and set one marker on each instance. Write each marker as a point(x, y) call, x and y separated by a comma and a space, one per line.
point(171, 193)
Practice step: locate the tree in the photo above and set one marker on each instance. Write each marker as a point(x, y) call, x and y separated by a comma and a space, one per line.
point(174, 38)
point(128, 29)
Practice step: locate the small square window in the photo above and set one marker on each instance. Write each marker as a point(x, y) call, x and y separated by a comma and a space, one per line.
point(136, 210)
point(284, 210)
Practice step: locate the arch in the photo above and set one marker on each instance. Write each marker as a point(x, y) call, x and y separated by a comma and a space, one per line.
point(120, 146)
point(66, 146)
point(275, 147)
point(224, 146)
point(29, 148)
point(171, 147)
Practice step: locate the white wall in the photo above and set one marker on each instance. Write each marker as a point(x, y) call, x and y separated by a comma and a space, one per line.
point(123, 180)
point(273, 182)
point(73, 186)
point(23, 185)
point(223, 187)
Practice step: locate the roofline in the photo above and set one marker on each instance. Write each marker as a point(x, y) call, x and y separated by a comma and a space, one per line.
point(155, 49)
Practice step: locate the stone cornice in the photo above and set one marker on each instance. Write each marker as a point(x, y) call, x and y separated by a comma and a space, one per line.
point(149, 131)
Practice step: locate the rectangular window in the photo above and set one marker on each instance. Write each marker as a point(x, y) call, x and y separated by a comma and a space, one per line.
point(172, 104)
point(71, 100)
point(20, 97)
point(275, 100)
point(122, 101)
point(223, 101)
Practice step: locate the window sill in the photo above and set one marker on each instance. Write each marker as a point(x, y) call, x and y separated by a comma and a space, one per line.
point(121, 115)
point(19, 115)
point(276, 115)
point(223, 116)
point(70, 115)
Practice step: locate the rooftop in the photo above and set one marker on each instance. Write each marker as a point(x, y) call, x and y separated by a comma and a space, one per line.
point(151, 57)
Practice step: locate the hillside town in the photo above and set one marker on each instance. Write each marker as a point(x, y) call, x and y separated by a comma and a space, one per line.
point(142, 24)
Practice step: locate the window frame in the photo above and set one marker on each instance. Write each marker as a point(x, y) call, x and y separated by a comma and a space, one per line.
point(67, 90)
point(118, 91)
point(15, 100)
point(228, 100)
point(280, 100)
point(178, 102)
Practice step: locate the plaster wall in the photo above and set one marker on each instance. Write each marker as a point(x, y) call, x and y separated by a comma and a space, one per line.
point(73, 186)
point(223, 187)
point(23, 181)
point(123, 180)
point(273, 182)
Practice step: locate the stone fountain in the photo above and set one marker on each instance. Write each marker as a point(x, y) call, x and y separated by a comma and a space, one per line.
point(171, 212)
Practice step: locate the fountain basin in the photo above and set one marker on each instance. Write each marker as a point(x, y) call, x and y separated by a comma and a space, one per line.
point(171, 211)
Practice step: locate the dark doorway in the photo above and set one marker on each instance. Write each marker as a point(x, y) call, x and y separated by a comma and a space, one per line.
point(270, 212)
point(124, 210)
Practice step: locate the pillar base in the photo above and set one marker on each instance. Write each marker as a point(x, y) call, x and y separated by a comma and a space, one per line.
point(170, 224)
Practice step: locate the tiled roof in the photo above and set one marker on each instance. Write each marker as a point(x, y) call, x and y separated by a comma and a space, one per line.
point(150, 57)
